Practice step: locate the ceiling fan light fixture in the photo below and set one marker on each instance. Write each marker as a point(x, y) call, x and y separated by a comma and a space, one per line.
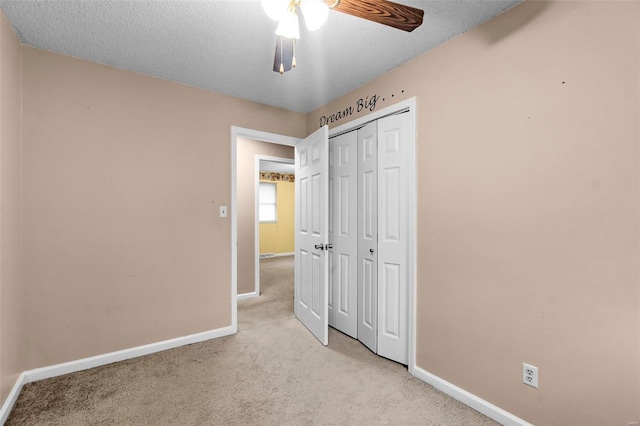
point(315, 13)
point(275, 9)
point(288, 26)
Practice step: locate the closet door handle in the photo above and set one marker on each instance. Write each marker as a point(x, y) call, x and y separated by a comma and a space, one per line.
point(319, 246)
point(371, 251)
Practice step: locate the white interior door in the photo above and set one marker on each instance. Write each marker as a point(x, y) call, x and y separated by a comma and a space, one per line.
point(393, 244)
point(367, 236)
point(312, 205)
point(343, 273)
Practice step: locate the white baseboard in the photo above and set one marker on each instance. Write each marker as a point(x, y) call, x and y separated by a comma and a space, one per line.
point(246, 295)
point(284, 254)
point(98, 360)
point(488, 409)
point(270, 255)
point(11, 399)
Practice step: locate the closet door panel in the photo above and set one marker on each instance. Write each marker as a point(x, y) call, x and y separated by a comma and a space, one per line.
point(368, 236)
point(343, 235)
point(393, 244)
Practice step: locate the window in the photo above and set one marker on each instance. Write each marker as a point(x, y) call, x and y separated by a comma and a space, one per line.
point(267, 207)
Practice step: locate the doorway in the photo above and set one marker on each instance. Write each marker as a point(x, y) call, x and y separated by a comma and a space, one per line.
point(249, 153)
point(275, 210)
point(408, 106)
point(245, 254)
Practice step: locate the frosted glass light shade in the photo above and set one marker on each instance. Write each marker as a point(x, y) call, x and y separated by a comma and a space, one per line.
point(288, 26)
point(275, 9)
point(315, 13)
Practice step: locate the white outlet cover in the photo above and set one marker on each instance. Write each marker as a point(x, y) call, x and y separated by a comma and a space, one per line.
point(530, 375)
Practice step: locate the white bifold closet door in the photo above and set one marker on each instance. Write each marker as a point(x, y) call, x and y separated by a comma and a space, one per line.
point(368, 235)
point(369, 193)
point(393, 237)
point(343, 308)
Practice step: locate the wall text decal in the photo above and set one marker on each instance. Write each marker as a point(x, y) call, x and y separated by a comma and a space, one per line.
point(363, 103)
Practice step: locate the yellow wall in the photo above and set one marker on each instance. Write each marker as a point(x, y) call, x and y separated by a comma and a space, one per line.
point(279, 237)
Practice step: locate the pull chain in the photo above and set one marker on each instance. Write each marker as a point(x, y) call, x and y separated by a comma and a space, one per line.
point(293, 61)
point(281, 56)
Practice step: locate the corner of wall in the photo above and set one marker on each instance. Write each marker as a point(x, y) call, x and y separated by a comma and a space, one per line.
point(2, 380)
point(11, 268)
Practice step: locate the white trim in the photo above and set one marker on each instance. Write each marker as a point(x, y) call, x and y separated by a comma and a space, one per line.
point(270, 255)
point(407, 105)
point(111, 357)
point(104, 359)
point(488, 409)
point(291, 253)
point(237, 132)
point(247, 295)
point(234, 230)
point(256, 218)
point(11, 399)
point(413, 241)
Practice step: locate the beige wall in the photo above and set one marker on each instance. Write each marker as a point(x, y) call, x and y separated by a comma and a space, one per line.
point(123, 178)
point(247, 151)
point(528, 187)
point(528, 197)
point(11, 286)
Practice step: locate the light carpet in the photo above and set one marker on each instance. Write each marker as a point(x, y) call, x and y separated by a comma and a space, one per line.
point(272, 372)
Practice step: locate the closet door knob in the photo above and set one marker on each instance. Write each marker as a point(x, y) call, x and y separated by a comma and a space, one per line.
point(371, 251)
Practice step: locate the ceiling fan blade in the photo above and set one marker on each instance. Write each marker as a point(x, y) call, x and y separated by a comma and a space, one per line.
point(385, 12)
point(283, 59)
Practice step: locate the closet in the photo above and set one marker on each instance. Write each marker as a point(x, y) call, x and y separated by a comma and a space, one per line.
point(368, 231)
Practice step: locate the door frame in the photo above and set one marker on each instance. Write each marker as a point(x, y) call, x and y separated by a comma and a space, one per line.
point(241, 132)
point(271, 159)
point(408, 106)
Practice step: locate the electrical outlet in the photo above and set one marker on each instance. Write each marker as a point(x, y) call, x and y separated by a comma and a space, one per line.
point(530, 375)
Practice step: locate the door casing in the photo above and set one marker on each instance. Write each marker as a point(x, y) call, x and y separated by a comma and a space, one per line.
point(408, 106)
point(240, 132)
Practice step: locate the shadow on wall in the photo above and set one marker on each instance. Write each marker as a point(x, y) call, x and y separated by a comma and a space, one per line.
point(515, 22)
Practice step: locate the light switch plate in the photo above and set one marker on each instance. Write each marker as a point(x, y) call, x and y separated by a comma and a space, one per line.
point(223, 211)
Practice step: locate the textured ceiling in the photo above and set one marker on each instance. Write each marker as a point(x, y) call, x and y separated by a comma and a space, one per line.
point(228, 46)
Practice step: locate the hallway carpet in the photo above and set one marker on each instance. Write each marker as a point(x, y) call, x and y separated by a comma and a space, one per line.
point(272, 372)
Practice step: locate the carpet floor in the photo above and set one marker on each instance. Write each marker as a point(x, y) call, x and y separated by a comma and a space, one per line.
point(272, 372)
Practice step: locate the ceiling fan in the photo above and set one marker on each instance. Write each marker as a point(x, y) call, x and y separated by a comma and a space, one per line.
point(315, 13)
